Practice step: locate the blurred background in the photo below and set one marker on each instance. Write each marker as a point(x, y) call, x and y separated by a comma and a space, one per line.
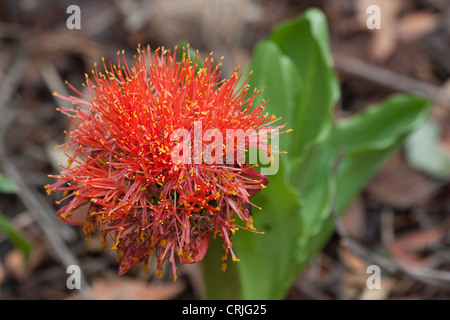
point(403, 211)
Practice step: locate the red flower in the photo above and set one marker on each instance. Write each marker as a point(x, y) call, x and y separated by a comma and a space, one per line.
point(122, 177)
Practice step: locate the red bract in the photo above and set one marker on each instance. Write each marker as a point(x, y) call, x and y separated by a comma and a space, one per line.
point(121, 177)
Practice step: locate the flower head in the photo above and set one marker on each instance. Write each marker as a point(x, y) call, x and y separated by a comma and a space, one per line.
point(129, 175)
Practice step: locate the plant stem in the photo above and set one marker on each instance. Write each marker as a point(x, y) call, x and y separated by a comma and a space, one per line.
point(219, 285)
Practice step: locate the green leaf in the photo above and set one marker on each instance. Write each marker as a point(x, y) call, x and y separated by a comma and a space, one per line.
point(278, 78)
point(268, 253)
point(219, 285)
point(7, 186)
point(267, 260)
point(316, 188)
point(367, 140)
point(422, 151)
point(305, 41)
point(15, 236)
point(303, 93)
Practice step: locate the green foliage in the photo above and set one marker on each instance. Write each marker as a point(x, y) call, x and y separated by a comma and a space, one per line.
point(423, 152)
point(16, 237)
point(7, 186)
point(6, 227)
point(294, 67)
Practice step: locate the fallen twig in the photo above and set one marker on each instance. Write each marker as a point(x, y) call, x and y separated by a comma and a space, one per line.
point(387, 78)
point(54, 82)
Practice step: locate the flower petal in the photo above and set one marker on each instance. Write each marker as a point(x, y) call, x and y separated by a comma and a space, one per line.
point(200, 250)
point(254, 175)
point(77, 217)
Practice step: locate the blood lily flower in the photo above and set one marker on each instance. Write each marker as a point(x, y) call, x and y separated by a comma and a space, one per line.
point(122, 177)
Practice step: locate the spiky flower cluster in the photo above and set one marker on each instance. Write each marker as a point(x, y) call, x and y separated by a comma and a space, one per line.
point(121, 177)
